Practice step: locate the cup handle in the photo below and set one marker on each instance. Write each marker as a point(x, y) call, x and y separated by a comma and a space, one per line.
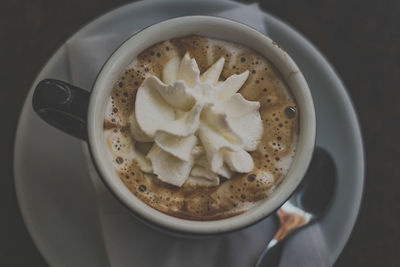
point(63, 106)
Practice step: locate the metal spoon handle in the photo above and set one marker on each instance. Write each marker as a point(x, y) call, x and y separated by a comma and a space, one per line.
point(291, 219)
point(272, 256)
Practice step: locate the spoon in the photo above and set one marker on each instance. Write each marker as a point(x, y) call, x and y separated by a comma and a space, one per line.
point(305, 206)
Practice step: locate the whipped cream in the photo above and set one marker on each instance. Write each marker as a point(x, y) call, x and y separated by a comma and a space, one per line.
point(201, 128)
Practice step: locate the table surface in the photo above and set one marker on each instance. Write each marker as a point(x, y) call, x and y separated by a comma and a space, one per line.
point(360, 38)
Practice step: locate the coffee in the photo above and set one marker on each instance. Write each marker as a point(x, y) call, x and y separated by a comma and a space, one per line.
point(208, 201)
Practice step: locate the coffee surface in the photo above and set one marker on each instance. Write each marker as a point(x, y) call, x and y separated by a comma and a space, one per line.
point(233, 196)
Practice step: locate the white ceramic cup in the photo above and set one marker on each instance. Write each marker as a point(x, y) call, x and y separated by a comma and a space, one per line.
point(77, 120)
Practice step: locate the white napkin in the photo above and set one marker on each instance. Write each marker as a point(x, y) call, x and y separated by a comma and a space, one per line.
point(129, 242)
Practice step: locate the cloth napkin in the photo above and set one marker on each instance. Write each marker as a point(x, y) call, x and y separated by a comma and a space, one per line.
point(128, 242)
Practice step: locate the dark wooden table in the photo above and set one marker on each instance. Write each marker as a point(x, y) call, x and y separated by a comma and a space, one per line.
point(360, 38)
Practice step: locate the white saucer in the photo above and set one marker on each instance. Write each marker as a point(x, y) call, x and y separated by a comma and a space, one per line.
point(55, 194)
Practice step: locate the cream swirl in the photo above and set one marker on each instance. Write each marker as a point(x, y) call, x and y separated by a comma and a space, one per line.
point(201, 128)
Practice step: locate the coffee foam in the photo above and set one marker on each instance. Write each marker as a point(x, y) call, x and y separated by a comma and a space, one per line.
point(272, 158)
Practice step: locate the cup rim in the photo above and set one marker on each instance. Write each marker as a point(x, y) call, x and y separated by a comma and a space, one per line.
point(155, 33)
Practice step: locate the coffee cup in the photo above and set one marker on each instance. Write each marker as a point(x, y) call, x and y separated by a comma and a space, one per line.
point(81, 114)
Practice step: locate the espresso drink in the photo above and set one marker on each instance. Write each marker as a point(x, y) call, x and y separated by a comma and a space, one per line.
point(232, 192)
